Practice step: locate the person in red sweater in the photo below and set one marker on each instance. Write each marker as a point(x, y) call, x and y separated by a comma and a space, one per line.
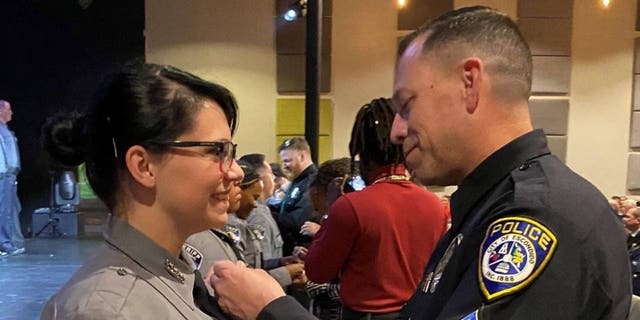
point(377, 240)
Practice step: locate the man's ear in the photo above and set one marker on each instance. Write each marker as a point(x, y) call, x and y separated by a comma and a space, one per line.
point(138, 161)
point(472, 69)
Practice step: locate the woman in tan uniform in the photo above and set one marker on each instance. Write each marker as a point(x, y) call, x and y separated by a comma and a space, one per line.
point(158, 151)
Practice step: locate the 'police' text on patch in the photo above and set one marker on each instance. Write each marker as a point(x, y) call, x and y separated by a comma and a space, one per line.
point(514, 252)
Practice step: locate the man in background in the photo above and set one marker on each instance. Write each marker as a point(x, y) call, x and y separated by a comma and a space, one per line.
point(11, 239)
point(295, 208)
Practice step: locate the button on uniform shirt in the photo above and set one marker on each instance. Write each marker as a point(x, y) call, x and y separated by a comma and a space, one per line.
point(530, 239)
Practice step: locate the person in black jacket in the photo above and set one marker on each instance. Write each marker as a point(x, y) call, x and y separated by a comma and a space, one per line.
point(530, 239)
point(295, 209)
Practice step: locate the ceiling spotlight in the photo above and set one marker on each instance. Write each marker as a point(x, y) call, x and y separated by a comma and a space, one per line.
point(295, 10)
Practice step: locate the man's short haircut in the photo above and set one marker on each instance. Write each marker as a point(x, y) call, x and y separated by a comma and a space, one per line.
point(296, 143)
point(330, 170)
point(255, 159)
point(484, 33)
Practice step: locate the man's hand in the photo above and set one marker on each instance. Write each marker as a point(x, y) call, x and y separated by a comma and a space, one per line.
point(241, 291)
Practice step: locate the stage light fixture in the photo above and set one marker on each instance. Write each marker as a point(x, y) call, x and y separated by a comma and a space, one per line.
point(295, 10)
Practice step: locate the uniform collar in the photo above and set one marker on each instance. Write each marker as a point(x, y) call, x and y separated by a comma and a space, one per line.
point(386, 171)
point(144, 251)
point(311, 169)
point(493, 170)
point(233, 219)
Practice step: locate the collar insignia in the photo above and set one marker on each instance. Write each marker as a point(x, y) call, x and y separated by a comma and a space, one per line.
point(173, 271)
point(514, 252)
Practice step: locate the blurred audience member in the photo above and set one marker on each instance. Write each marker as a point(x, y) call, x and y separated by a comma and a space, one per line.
point(295, 208)
point(377, 240)
point(261, 216)
point(11, 239)
point(324, 190)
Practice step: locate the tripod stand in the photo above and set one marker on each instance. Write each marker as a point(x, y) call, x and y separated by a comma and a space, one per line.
point(52, 224)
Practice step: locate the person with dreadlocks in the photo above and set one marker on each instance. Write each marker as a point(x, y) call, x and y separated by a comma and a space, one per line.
point(378, 240)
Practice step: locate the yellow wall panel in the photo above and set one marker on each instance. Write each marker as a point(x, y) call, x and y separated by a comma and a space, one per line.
point(290, 117)
point(290, 123)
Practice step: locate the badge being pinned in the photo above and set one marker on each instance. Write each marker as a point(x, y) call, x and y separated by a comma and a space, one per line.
point(514, 252)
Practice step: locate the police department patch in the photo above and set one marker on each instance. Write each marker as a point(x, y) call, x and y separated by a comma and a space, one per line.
point(471, 316)
point(257, 231)
point(514, 252)
point(194, 254)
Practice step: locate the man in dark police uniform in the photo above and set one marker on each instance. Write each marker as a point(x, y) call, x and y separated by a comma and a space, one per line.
point(530, 239)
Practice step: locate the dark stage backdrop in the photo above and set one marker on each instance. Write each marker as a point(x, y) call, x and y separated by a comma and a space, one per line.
point(53, 55)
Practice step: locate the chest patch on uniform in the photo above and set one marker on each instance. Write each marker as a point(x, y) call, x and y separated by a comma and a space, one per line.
point(514, 252)
point(194, 254)
point(257, 231)
point(233, 233)
point(295, 193)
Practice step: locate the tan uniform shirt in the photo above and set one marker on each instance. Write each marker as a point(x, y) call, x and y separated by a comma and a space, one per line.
point(129, 277)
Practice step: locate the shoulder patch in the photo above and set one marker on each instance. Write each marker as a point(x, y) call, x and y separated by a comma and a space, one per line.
point(471, 316)
point(194, 254)
point(233, 233)
point(514, 252)
point(257, 231)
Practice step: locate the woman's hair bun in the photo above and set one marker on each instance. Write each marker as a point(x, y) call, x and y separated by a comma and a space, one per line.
point(63, 137)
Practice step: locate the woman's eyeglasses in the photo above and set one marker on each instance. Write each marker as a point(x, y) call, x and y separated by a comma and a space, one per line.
point(222, 151)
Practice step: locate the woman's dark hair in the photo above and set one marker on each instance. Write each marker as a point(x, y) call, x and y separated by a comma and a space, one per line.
point(370, 136)
point(254, 159)
point(143, 104)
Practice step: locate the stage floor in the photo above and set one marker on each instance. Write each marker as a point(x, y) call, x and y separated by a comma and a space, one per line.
point(28, 280)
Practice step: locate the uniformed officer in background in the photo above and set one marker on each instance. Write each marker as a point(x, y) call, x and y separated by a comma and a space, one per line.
point(286, 270)
point(530, 239)
point(261, 218)
point(295, 208)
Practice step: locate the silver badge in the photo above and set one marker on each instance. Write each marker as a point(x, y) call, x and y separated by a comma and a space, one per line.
point(442, 264)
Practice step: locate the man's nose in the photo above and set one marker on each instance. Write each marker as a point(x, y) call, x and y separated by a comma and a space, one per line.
point(398, 130)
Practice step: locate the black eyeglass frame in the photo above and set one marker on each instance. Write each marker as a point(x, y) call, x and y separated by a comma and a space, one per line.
point(227, 157)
